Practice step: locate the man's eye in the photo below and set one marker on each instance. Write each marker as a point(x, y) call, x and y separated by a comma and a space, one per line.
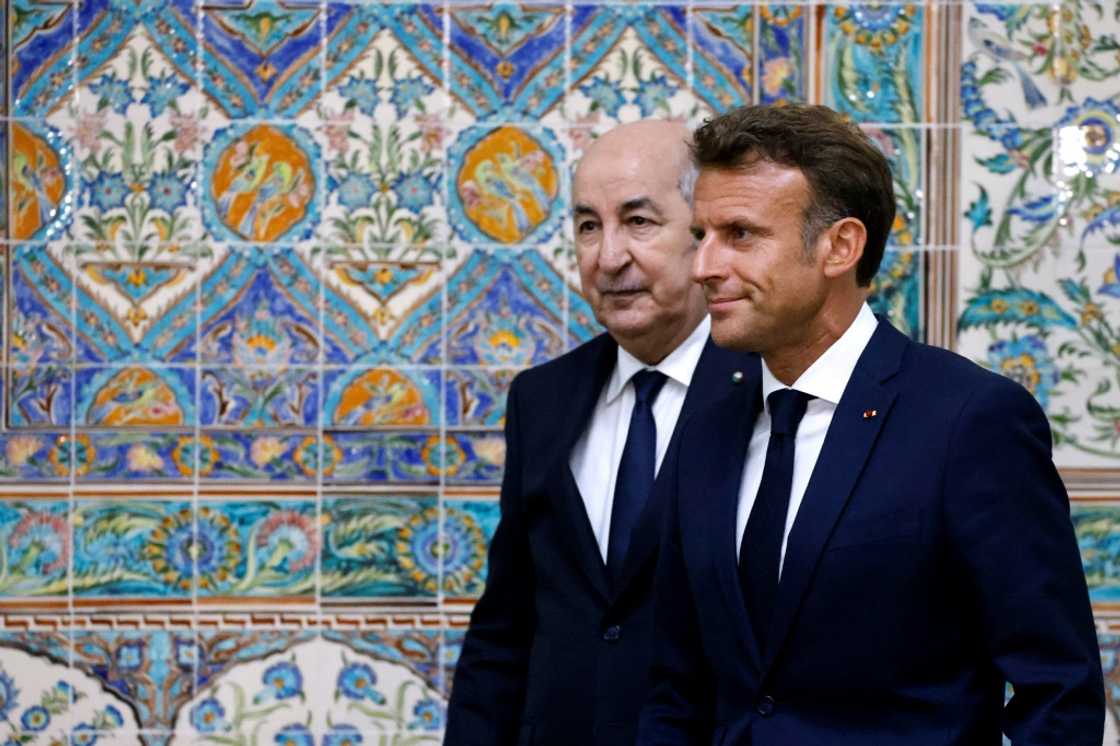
point(639, 221)
point(586, 226)
point(697, 234)
point(740, 234)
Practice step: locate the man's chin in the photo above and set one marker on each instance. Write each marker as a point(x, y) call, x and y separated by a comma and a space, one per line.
point(730, 335)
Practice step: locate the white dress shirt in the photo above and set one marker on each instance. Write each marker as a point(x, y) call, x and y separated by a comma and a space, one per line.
point(825, 379)
point(597, 453)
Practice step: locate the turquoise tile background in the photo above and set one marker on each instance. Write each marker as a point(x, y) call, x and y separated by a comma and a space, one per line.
point(269, 271)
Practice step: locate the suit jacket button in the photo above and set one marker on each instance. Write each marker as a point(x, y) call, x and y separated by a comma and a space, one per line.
point(765, 706)
point(613, 633)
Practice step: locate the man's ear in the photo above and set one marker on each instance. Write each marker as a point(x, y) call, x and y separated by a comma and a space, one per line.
point(844, 242)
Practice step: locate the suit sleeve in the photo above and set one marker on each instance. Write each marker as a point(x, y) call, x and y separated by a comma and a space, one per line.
point(1007, 512)
point(487, 692)
point(680, 701)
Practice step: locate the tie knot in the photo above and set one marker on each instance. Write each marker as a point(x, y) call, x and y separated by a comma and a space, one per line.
point(787, 407)
point(647, 383)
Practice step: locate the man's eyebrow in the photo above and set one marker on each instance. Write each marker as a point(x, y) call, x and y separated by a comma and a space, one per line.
point(639, 203)
point(580, 209)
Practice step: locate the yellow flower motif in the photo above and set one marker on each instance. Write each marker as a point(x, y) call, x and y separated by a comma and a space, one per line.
point(1028, 308)
point(143, 458)
point(999, 305)
point(777, 71)
point(266, 450)
point(1090, 312)
point(492, 450)
point(21, 448)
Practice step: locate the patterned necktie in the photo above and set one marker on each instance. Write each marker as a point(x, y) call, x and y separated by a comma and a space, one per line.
point(761, 550)
point(636, 469)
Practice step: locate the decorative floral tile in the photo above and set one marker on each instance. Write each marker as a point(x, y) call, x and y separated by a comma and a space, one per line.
point(386, 457)
point(34, 457)
point(40, 49)
point(39, 396)
point(1098, 537)
point(39, 329)
point(134, 126)
point(582, 325)
point(135, 312)
point(505, 308)
point(271, 547)
point(1037, 60)
point(782, 53)
point(260, 308)
point(506, 185)
point(151, 671)
point(141, 549)
point(259, 397)
point(319, 689)
point(1048, 324)
point(1087, 165)
point(268, 63)
point(40, 163)
point(148, 456)
point(410, 458)
point(135, 396)
point(874, 61)
point(262, 183)
point(896, 291)
point(1009, 201)
point(376, 547)
point(383, 312)
point(35, 548)
point(1110, 663)
point(507, 60)
point(476, 397)
point(630, 62)
point(468, 527)
point(474, 458)
point(723, 46)
point(47, 701)
point(906, 150)
point(259, 456)
point(364, 398)
point(449, 656)
point(382, 126)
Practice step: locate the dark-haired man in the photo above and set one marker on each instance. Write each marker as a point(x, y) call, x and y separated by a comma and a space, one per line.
point(559, 644)
point(868, 538)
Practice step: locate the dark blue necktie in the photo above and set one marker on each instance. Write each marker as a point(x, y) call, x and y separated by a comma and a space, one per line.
point(636, 469)
point(761, 550)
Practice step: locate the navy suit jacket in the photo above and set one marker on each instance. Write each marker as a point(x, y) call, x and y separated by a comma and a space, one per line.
point(554, 655)
point(932, 559)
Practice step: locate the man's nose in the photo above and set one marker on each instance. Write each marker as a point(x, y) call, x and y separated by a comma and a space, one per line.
point(614, 254)
point(705, 261)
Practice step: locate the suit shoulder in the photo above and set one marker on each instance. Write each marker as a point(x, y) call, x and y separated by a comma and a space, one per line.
point(950, 374)
point(562, 371)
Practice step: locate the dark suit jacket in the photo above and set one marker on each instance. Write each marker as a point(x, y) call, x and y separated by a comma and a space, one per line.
point(553, 655)
point(932, 559)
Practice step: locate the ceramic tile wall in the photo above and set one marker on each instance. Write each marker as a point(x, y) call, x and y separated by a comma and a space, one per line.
point(270, 266)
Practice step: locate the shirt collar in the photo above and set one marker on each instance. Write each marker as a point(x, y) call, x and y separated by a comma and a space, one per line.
point(828, 376)
point(678, 365)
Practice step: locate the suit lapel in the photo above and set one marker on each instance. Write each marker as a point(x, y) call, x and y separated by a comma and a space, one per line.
point(711, 381)
point(572, 420)
point(864, 407)
point(718, 474)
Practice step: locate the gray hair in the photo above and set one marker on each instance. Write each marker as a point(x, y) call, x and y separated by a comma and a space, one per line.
point(687, 180)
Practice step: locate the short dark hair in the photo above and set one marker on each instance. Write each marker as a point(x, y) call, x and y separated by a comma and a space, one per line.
point(847, 175)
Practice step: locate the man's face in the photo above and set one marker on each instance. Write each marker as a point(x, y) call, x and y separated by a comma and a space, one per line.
point(762, 289)
point(633, 243)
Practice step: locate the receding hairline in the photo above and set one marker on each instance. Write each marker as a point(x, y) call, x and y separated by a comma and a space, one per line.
point(649, 134)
